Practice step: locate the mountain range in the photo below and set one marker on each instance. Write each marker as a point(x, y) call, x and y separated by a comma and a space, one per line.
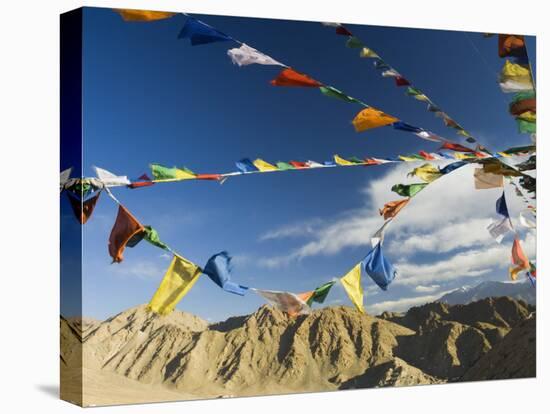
point(516, 290)
point(137, 356)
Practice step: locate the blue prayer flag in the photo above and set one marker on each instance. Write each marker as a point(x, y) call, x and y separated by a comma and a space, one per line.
point(403, 126)
point(451, 167)
point(379, 268)
point(502, 208)
point(200, 33)
point(218, 268)
point(245, 165)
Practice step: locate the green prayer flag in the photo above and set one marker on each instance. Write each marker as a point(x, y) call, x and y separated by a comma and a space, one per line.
point(320, 293)
point(335, 93)
point(354, 43)
point(521, 96)
point(526, 127)
point(161, 172)
point(413, 91)
point(152, 236)
point(284, 166)
point(409, 190)
point(356, 160)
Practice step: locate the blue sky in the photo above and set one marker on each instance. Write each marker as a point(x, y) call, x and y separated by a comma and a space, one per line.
point(150, 97)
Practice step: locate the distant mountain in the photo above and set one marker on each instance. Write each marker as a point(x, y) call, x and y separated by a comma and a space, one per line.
point(139, 356)
point(516, 290)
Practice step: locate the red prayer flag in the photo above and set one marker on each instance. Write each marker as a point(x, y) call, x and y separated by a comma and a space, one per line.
point(289, 77)
point(139, 184)
point(523, 106)
point(511, 45)
point(426, 155)
point(401, 81)
point(83, 209)
point(341, 30)
point(215, 177)
point(456, 147)
point(298, 164)
point(125, 227)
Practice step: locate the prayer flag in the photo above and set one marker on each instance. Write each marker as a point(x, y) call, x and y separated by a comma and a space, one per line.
point(263, 166)
point(335, 93)
point(218, 268)
point(352, 284)
point(368, 53)
point(284, 166)
point(341, 161)
point(511, 45)
point(161, 173)
point(426, 155)
point(485, 180)
point(499, 228)
point(372, 118)
point(429, 136)
point(501, 206)
point(526, 127)
point(289, 77)
point(284, 301)
point(401, 81)
point(391, 209)
point(64, 177)
point(378, 236)
point(390, 73)
point(408, 190)
point(403, 126)
point(83, 209)
point(313, 164)
point(519, 260)
point(519, 106)
point(456, 147)
point(178, 280)
point(354, 43)
point(426, 172)
point(200, 33)
point(379, 268)
point(341, 30)
point(320, 293)
point(513, 86)
point(298, 164)
point(530, 118)
point(125, 227)
point(109, 179)
point(130, 15)
point(245, 165)
point(246, 55)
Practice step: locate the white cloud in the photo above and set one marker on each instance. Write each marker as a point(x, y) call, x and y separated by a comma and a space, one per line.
point(426, 289)
point(141, 269)
point(403, 304)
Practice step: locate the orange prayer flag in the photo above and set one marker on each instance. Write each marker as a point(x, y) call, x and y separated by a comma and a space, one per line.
point(372, 118)
point(130, 15)
point(303, 296)
point(391, 209)
point(289, 77)
point(519, 259)
point(125, 227)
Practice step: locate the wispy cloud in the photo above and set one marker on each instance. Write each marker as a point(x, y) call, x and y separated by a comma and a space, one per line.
point(403, 304)
point(141, 269)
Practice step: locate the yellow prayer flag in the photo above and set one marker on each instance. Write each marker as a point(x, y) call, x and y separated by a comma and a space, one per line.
point(263, 165)
point(528, 116)
point(514, 70)
point(407, 159)
point(131, 15)
point(341, 161)
point(181, 174)
point(178, 280)
point(372, 118)
point(427, 173)
point(421, 98)
point(368, 53)
point(352, 284)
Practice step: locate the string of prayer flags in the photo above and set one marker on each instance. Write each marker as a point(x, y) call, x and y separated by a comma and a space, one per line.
point(263, 166)
point(218, 268)
point(246, 55)
point(380, 270)
point(391, 208)
point(519, 260)
point(109, 179)
point(408, 190)
point(320, 293)
point(426, 172)
point(486, 180)
point(177, 281)
point(352, 284)
point(284, 301)
point(370, 118)
point(290, 77)
point(130, 15)
point(83, 209)
point(125, 227)
point(200, 33)
point(162, 173)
